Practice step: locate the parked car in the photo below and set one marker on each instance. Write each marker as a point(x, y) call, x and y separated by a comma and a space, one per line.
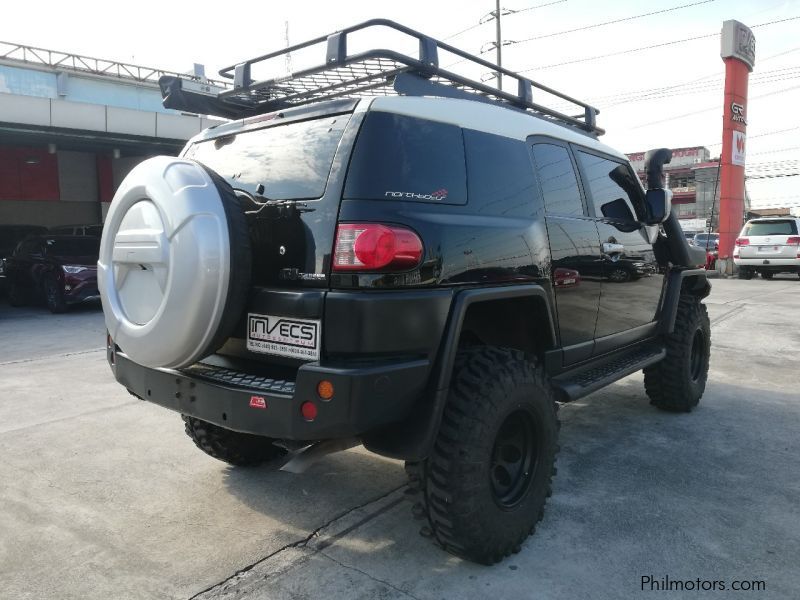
point(689, 235)
point(10, 236)
point(61, 270)
point(403, 271)
point(768, 246)
point(94, 230)
point(707, 241)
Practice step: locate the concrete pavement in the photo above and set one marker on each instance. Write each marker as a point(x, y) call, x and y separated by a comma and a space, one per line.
point(104, 497)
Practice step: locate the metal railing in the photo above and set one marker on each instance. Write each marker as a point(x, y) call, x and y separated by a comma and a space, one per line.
point(87, 64)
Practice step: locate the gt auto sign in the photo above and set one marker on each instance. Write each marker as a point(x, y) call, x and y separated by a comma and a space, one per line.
point(283, 336)
point(738, 148)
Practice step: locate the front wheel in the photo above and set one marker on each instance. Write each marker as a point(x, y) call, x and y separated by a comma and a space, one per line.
point(53, 296)
point(484, 485)
point(232, 447)
point(677, 382)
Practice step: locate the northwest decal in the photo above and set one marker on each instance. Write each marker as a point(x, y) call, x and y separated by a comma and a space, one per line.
point(437, 195)
point(738, 148)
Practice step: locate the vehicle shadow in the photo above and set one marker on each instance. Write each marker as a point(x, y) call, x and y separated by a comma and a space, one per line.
point(705, 493)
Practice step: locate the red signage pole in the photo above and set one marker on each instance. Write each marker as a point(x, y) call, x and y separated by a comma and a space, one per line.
point(738, 53)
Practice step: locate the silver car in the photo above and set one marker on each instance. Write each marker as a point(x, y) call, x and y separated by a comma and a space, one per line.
point(768, 246)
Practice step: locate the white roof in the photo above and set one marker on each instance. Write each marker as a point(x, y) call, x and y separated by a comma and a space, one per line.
point(482, 116)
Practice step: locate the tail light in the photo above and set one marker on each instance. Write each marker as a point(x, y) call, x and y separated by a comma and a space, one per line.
point(375, 247)
point(793, 241)
point(743, 241)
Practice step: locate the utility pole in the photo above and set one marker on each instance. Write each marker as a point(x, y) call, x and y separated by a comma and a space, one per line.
point(499, 45)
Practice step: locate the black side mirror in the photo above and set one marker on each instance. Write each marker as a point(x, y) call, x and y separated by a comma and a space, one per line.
point(658, 204)
point(658, 201)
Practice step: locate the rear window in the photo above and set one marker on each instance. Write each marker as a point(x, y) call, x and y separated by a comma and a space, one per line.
point(705, 237)
point(405, 158)
point(756, 228)
point(291, 161)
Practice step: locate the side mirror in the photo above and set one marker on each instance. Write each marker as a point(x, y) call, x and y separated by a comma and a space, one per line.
point(658, 201)
point(658, 204)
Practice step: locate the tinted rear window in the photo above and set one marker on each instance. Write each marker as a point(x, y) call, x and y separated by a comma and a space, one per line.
point(406, 158)
point(291, 161)
point(500, 175)
point(771, 228)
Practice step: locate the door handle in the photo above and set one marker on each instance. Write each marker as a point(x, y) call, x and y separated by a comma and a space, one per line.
point(609, 248)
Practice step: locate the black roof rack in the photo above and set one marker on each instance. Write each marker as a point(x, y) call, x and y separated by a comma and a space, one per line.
point(375, 72)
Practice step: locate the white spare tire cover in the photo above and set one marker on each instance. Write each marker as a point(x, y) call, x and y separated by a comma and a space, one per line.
point(165, 269)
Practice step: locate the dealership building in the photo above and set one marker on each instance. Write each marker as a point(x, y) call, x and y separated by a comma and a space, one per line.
point(72, 127)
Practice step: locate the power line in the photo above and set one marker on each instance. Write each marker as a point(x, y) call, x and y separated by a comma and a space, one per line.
point(775, 176)
point(643, 48)
point(596, 25)
point(715, 107)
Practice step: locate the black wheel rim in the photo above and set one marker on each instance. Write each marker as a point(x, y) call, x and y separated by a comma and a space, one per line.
point(52, 293)
point(698, 354)
point(618, 275)
point(514, 458)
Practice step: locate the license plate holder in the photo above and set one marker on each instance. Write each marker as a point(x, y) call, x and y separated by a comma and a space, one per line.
point(284, 336)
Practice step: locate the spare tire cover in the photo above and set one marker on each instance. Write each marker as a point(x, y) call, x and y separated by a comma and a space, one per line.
point(165, 265)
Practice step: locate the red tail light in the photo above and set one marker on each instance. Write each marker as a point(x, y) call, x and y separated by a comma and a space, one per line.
point(375, 247)
point(793, 241)
point(742, 241)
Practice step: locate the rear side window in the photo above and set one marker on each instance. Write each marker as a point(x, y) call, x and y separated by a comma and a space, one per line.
point(787, 227)
point(405, 158)
point(558, 180)
point(500, 175)
point(291, 161)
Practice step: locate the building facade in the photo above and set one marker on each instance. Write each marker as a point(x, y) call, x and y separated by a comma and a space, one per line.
point(72, 127)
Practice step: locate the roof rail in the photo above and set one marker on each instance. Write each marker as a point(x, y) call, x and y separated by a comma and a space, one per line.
point(371, 73)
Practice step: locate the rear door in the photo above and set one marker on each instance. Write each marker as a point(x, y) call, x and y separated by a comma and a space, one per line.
point(287, 170)
point(574, 248)
point(768, 239)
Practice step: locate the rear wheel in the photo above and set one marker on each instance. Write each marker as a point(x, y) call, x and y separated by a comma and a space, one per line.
point(53, 296)
point(484, 486)
point(745, 274)
point(676, 383)
point(16, 295)
point(767, 274)
point(232, 447)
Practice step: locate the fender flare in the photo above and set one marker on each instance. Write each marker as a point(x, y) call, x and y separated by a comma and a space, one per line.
point(413, 438)
point(693, 281)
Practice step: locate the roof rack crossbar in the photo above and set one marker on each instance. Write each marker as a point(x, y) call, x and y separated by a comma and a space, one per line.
point(369, 73)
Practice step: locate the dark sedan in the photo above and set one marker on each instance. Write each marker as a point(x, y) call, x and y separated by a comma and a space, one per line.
point(59, 269)
point(10, 236)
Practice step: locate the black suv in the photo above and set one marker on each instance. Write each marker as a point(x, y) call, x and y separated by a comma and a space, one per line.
point(379, 251)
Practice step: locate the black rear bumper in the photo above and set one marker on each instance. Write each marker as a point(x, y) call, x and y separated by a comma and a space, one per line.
point(365, 397)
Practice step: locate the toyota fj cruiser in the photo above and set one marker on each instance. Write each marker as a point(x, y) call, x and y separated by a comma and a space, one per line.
point(378, 250)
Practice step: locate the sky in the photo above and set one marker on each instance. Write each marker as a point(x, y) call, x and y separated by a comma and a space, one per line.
point(670, 95)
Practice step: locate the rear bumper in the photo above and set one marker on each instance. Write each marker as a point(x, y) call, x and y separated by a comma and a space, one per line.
point(790, 264)
point(365, 397)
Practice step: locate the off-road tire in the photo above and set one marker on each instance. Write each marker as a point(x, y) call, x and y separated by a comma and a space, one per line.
point(232, 447)
point(492, 392)
point(767, 275)
point(53, 296)
point(677, 382)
